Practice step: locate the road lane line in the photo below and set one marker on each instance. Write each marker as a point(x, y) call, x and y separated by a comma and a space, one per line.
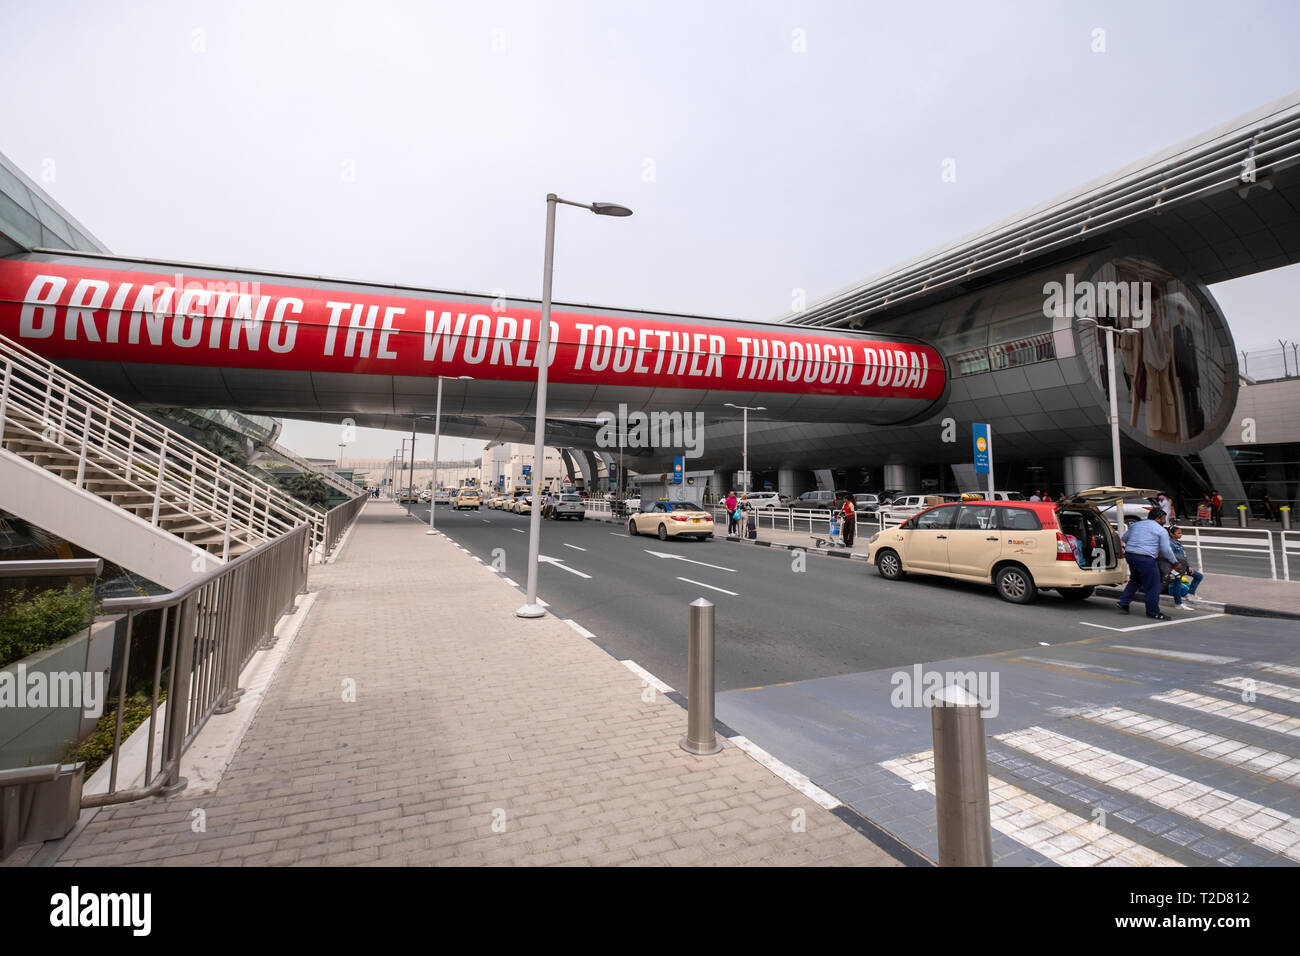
point(574, 547)
point(1266, 828)
point(518, 530)
point(580, 629)
point(791, 776)
point(1172, 655)
point(619, 534)
point(646, 676)
point(1144, 627)
point(1063, 837)
point(709, 586)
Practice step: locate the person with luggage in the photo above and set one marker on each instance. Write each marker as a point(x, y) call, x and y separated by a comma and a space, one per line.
point(730, 504)
point(848, 521)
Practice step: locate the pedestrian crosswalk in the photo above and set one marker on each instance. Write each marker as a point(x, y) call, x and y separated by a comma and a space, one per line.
point(1205, 774)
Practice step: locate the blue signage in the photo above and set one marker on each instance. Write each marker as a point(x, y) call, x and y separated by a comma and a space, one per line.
point(982, 448)
point(679, 464)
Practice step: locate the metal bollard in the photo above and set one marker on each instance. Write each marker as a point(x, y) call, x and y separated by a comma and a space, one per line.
point(1284, 515)
point(700, 737)
point(961, 780)
point(1241, 516)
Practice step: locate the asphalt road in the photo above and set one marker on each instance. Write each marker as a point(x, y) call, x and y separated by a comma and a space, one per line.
point(776, 622)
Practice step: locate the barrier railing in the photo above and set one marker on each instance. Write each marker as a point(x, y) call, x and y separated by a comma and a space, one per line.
point(1290, 542)
point(337, 521)
point(206, 634)
point(1251, 543)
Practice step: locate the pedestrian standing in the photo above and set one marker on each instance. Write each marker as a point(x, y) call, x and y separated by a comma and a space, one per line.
point(849, 520)
point(1216, 508)
point(1145, 543)
point(1267, 502)
point(730, 504)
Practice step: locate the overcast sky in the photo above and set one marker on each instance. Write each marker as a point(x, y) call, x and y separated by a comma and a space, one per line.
point(766, 147)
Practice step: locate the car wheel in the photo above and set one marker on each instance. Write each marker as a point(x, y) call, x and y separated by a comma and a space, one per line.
point(631, 528)
point(889, 565)
point(1130, 520)
point(1015, 584)
point(582, 517)
point(663, 532)
point(1076, 594)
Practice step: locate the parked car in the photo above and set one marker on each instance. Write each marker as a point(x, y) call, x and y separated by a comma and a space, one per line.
point(992, 496)
point(566, 506)
point(908, 505)
point(468, 497)
point(1020, 547)
point(866, 504)
point(817, 500)
point(1134, 510)
point(768, 499)
point(521, 503)
point(443, 496)
point(672, 519)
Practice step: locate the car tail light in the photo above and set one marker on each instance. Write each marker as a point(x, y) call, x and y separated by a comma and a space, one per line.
point(677, 518)
point(1063, 550)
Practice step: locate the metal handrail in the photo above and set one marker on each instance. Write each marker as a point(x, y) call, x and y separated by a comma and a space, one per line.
point(42, 401)
point(208, 630)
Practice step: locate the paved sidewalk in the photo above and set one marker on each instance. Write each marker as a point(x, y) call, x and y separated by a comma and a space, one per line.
point(474, 738)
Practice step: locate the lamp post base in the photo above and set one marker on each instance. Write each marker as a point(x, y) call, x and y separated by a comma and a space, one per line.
point(531, 610)
point(431, 531)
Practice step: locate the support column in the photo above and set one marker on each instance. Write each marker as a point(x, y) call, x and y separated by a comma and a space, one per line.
point(905, 478)
point(787, 482)
point(1085, 471)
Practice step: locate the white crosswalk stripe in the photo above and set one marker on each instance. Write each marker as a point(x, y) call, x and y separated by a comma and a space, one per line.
point(1231, 710)
point(1286, 670)
point(1234, 753)
point(1269, 829)
point(1263, 687)
point(1056, 833)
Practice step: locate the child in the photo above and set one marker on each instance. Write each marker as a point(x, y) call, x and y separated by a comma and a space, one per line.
point(1183, 587)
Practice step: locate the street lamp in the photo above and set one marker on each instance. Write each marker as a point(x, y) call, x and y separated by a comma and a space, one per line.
point(437, 431)
point(531, 608)
point(746, 409)
point(1111, 332)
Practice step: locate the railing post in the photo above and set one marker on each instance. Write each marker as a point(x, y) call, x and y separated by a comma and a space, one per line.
point(4, 398)
point(130, 452)
point(85, 439)
point(701, 739)
point(961, 780)
point(230, 507)
point(158, 479)
point(178, 703)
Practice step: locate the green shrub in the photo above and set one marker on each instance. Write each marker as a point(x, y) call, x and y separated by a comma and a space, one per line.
point(47, 617)
point(96, 749)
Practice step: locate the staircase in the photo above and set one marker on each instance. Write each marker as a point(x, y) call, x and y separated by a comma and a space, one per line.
point(91, 469)
point(278, 452)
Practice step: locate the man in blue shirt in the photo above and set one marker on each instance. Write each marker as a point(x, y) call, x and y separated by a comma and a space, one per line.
point(1144, 542)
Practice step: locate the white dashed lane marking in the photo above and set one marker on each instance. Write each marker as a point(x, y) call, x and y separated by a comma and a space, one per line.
point(709, 586)
point(1173, 655)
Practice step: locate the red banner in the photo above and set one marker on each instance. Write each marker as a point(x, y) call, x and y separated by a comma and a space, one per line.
point(105, 315)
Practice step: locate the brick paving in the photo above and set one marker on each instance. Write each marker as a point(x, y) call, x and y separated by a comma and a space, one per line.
point(475, 738)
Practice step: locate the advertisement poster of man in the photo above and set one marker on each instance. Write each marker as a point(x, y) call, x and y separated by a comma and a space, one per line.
point(1163, 371)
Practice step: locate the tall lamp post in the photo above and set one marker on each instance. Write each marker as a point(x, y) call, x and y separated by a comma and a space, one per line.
point(437, 432)
point(1111, 333)
point(530, 607)
point(746, 409)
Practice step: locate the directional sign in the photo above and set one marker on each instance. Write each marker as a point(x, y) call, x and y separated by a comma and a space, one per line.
point(982, 456)
point(679, 466)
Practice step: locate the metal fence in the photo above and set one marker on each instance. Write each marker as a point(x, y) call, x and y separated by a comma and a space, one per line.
point(337, 521)
point(206, 633)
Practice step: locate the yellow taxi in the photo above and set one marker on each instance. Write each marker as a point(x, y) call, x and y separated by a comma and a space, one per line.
point(672, 519)
point(1020, 547)
point(467, 498)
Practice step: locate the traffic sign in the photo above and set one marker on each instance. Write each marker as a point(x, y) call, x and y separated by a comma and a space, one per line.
point(982, 448)
point(679, 465)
